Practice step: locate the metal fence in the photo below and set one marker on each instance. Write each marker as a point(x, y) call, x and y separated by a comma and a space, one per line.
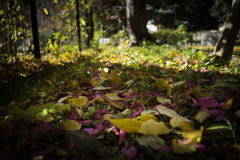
point(34, 26)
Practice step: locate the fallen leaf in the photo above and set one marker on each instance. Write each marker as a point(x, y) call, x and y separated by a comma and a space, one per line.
point(202, 115)
point(144, 117)
point(176, 122)
point(151, 141)
point(169, 112)
point(101, 88)
point(94, 82)
point(127, 125)
point(113, 103)
point(61, 100)
point(229, 104)
point(45, 118)
point(115, 78)
point(220, 84)
point(113, 96)
point(189, 132)
point(181, 148)
point(97, 100)
point(151, 127)
point(163, 100)
point(237, 113)
point(71, 124)
point(78, 102)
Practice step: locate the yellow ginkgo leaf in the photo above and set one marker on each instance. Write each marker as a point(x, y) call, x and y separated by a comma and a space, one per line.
point(115, 78)
point(189, 132)
point(97, 100)
point(176, 122)
point(164, 83)
point(181, 148)
point(151, 127)
point(144, 117)
point(94, 82)
point(78, 102)
point(127, 125)
point(47, 118)
point(72, 124)
point(202, 115)
point(113, 96)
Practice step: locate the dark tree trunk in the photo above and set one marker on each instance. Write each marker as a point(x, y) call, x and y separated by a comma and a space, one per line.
point(225, 45)
point(136, 21)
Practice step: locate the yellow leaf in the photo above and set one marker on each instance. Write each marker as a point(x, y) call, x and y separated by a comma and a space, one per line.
point(94, 82)
point(164, 83)
point(72, 124)
point(115, 78)
point(113, 96)
point(202, 115)
point(45, 10)
point(181, 148)
point(189, 132)
point(47, 118)
point(127, 125)
point(169, 112)
point(176, 122)
point(78, 102)
point(113, 103)
point(144, 117)
point(97, 100)
point(151, 127)
point(228, 105)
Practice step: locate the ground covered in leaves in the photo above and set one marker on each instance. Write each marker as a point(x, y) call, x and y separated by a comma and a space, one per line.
point(128, 103)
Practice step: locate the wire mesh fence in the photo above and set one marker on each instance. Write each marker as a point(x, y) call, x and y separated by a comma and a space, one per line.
point(56, 23)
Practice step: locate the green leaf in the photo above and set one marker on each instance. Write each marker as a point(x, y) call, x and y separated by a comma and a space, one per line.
point(182, 110)
point(163, 100)
point(201, 55)
point(91, 110)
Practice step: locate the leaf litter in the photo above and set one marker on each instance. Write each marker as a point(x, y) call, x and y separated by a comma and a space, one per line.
point(142, 112)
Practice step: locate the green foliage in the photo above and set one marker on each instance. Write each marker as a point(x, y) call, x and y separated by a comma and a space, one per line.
point(115, 38)
point(173, 36)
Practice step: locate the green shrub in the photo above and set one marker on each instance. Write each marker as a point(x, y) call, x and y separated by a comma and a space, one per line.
point(173, 36)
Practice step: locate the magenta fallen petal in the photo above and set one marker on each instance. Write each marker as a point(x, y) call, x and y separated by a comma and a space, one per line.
point(103, 111)
point(56, 94)
point(145, 94)
point(89, 130)
point(99, 127)
point(131, 95)
point(116, 87)
point(134, 115)
point(134, 104)
point(74, 116)
point(158, 94)
point(122, 136)
point(70, 145)
point(98, 115)
point(130, 152)
point(85, 122)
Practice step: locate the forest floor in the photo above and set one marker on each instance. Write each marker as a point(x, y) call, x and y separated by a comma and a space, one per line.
point(149, 102)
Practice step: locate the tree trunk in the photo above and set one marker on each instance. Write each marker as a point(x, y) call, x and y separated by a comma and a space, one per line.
point(136, 21)
point(225, 45)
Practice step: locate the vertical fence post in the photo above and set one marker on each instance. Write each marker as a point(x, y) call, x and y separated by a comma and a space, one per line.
point(87, 25)
point(35, 29)
point(78, 26)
